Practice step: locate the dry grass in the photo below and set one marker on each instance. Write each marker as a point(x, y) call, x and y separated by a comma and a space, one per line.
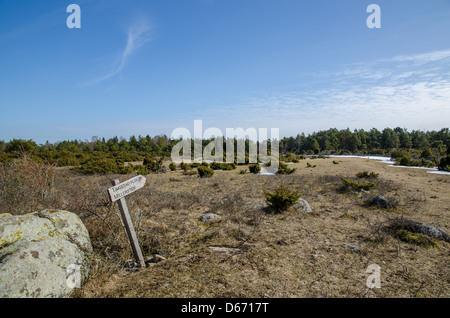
point(292, 254)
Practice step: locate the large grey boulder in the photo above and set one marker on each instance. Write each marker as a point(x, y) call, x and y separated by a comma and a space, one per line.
point(43, 254)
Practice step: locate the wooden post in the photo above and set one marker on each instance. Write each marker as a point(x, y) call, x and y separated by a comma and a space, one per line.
point(129, 228)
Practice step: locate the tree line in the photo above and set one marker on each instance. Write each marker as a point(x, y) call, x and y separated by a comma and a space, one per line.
point(398, 142)
point(367, 142)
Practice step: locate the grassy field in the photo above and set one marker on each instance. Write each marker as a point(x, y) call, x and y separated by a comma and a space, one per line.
point(293, 254)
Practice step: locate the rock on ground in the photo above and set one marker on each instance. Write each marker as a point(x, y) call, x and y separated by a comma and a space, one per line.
point(380, 201)
point(302, 205)
point(228, 250)
point(210, 217)
point(43, 254)
point(427, 229)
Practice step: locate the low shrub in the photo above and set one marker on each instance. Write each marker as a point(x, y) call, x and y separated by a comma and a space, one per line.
point(283, 169)
point(205, 172)
point(154, 165)
point(355, 185)
point(281, 199)
point(24, 184)
point(173, 166)
point(103, 166)
point(444, 164)
point(426, 153)
point(222, 166)
point(198, 164)
point(367, 175)
point(416, 238)
point(290, 157)
point(399, 153)
point(254, 168)
point(409, 162)
point(141, 170)
point(184, 166)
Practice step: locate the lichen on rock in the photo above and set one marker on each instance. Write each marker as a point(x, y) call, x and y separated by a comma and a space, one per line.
point(36, 251)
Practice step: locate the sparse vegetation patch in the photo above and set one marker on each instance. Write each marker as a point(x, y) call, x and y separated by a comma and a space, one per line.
point(282, 198)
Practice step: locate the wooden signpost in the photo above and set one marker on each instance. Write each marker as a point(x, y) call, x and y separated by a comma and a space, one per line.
point(118, 193)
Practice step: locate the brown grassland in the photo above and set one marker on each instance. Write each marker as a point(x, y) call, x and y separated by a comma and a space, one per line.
point(291, 254)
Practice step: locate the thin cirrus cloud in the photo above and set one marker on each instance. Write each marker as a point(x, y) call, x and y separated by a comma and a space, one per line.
point(421, 58)
point(138, 35)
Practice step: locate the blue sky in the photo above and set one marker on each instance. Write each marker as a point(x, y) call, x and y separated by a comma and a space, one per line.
point(139, 67)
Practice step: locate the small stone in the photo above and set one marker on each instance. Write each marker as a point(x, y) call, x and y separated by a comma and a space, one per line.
point(354, 248)
point(227, 250)
point(210, 217)
point(158, 258)
point(155, 259)
point(129, 264)
point(302, 205)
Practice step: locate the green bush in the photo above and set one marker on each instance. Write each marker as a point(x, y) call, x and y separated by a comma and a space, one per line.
point(367, 175)
point(6, 158)
point(142, 170)
point(404, 161)
point(154, 165)
point(173, 166)
point(356, 186)
point(283, 169)
point(20, 146)
point(222, 166)
point(416, 238)
point(290, 157)
point(205, 172)
point(103, 166)
point(444, 164)
point(184, 166)
point(397, 154)
point(426, 153)
point(254, 168)
point(409, 162)
point(281, 199)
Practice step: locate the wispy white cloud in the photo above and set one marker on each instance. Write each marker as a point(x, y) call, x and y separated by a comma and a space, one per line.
point(420, 58)
point(408, 91)
point(138, 35)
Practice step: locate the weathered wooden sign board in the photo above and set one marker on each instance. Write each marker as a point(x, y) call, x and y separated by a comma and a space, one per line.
point(118, 193)
point(123, 189)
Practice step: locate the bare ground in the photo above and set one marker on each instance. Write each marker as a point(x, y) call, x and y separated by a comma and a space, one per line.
point(293, 254)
